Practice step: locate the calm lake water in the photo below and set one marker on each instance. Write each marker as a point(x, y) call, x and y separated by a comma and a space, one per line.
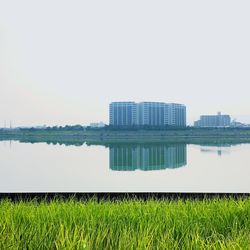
point(124, 167)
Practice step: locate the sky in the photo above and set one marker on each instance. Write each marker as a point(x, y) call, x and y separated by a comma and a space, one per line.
point(63, 62)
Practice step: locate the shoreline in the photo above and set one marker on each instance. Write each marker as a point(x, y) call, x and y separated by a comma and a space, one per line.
point(102, 137)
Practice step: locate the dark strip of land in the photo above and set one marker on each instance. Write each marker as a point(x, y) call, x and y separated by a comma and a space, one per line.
point(106, 136)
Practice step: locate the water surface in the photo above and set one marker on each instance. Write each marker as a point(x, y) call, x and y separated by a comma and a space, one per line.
point(124, 167)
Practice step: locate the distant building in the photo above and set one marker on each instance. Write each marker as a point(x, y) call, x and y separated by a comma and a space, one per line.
point(122, 113)
point(218, 120)
point(175, 114)
point(236, 124)
point(97, 125)
point(147, 114)
point(151, 113)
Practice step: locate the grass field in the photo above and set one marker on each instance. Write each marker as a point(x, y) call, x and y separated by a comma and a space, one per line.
point(127, 224)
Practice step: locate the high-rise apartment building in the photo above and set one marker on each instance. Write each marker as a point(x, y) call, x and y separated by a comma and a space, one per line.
point(151, 113)
point(122, 113)
point(175, 114)
point(155, 114)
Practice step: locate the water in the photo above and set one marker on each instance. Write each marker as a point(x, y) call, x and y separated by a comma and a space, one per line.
point(124, 167)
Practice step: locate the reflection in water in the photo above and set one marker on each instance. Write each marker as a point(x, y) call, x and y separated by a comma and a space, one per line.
point(129, 157)
point(7, 143)
point(213, 149)
point(96, 167)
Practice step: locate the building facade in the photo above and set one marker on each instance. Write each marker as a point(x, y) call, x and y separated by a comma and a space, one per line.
point(156, 114)
point(218, 120)
point(151, 113)
point(97, 125)
point(122, 114)
point(175, 114)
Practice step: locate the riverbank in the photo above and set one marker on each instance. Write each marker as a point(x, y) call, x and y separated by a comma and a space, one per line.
point(104, 136)
point(125, 224)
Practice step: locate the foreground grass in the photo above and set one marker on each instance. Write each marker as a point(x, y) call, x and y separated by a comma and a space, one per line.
point(127, 224)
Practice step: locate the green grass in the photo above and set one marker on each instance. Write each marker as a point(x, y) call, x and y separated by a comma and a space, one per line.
point(126, 224)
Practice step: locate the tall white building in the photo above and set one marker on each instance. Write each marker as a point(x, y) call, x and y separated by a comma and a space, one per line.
point(151, 113)
point(175, 114)
point(123, 114)
point(156, 114)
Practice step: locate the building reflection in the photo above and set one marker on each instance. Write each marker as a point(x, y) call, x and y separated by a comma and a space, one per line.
point(146, 157)
point(219, 150)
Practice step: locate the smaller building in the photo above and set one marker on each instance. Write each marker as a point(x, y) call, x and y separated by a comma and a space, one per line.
point(236, 124)
point(97, 125)
point(218, 120)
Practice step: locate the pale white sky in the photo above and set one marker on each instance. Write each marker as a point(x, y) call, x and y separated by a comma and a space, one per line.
point(62, 62)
